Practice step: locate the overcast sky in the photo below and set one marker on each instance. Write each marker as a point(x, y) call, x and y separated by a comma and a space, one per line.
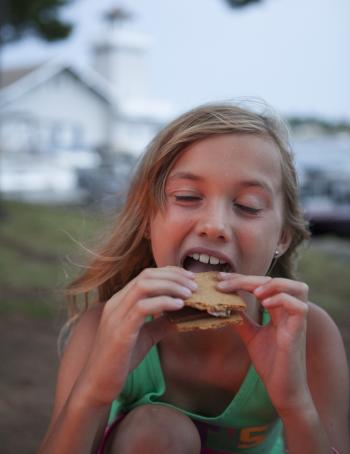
point(293, 53)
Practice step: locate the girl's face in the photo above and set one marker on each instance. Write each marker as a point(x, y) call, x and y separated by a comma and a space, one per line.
point(224, 207)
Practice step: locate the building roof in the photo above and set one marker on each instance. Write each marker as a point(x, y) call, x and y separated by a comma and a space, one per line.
point(18, 81)
point(11, 75)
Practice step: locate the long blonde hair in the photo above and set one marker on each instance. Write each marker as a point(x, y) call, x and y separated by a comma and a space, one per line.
point(127, 252)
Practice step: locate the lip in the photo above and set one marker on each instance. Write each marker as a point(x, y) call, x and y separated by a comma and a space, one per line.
point(212, 252)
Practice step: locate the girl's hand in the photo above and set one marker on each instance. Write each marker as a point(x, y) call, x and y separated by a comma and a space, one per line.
point(123, 338)
point(278, 349)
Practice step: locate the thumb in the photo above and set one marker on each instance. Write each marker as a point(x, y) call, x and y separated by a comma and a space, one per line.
point(156, 329)
point(151, 333)
point(248, 329)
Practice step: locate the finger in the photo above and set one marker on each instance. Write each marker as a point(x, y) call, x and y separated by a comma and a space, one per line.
point(150, 285)
point(175, 273)
point(171, 273)
point(279, 285)
point(286, 309)
point(291, 304)
point(151, 333)
point(150, 307)
point(229, 282)
point(150, 288)
point(248, 329)
point(179, 275)
point(156, 329)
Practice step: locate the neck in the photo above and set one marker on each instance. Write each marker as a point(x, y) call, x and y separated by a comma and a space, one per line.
point(202, 346)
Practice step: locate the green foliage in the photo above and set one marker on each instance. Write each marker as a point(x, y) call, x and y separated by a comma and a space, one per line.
point(326, 126)
point(39, 17)
point(241, 3)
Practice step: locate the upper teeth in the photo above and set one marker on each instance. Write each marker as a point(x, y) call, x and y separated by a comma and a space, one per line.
point(204, 258)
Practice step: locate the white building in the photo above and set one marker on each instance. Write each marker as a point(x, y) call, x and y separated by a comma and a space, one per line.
point(62, 109)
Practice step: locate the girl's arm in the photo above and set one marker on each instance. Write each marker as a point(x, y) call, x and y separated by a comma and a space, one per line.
point(108, 342)
point(74, 427)
point(300, 357)
point(328, 380)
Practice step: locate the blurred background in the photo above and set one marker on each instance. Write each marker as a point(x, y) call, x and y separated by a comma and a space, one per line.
point(85, 85)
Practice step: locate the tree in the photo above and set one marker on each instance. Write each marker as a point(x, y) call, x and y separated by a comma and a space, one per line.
point(241, 3)
point(21, 18)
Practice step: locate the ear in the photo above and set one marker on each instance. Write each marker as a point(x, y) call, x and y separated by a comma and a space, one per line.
point(284, 241)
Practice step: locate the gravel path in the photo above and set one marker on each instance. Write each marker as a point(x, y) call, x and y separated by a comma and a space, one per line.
point(28, 369)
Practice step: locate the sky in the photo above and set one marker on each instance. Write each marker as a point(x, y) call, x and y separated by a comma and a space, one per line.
point(292, 53)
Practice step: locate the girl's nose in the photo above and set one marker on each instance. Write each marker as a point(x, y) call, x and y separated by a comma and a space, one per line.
point(214, 224)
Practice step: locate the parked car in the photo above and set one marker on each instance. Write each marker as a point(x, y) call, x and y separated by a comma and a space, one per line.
point(328, 217)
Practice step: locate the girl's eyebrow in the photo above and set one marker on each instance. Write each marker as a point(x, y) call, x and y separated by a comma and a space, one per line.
point(258, 183)
point(181, 175)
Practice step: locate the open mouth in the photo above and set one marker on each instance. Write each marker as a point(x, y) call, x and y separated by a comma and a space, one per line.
point(198, 263)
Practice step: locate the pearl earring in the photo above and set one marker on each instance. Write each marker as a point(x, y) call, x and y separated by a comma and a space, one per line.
point(276, 254)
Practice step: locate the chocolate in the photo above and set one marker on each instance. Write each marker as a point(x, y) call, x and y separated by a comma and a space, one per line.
point(187, 314)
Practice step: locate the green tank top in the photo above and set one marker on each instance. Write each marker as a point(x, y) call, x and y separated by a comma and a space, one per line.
point(248, 425)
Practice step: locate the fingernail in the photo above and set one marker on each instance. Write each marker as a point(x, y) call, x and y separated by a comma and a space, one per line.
point(222, 284)
point(189, 273)
point(222, 275)
point(259, 290)
point(178, 302)
point(193, 285)
point(186, 292)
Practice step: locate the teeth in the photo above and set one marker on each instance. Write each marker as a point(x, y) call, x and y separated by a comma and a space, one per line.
point(204, 258)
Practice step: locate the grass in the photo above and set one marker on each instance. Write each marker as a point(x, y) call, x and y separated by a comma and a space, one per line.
point(328, 277)
point(39, 243)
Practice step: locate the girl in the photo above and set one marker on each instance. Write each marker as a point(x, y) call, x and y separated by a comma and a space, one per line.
point(217, 183)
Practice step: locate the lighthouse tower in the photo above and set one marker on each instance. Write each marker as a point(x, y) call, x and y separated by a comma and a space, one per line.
point(120, 57)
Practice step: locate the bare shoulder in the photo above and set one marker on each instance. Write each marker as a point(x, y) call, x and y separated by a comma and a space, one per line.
point(81, 339)
point(325, 347)
point(84, 328)
point(323, 333)
point(328, 373)
point(85, 321)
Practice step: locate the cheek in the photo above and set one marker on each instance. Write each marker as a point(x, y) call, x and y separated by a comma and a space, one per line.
point(176, 220)
point(257, 245)
point(168, 221)
point(166, 232)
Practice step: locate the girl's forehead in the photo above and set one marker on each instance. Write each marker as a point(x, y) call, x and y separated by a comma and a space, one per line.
point(231, 153)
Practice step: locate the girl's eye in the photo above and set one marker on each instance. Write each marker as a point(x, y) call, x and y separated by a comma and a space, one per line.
point(186, 198)
point(247, 209)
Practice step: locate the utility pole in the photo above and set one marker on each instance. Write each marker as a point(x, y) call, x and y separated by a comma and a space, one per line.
point(3, 20)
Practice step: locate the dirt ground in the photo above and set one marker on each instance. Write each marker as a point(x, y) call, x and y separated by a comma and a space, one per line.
point(29, 362)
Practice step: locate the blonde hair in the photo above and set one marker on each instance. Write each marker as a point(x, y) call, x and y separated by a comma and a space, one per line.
point(128, 251)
